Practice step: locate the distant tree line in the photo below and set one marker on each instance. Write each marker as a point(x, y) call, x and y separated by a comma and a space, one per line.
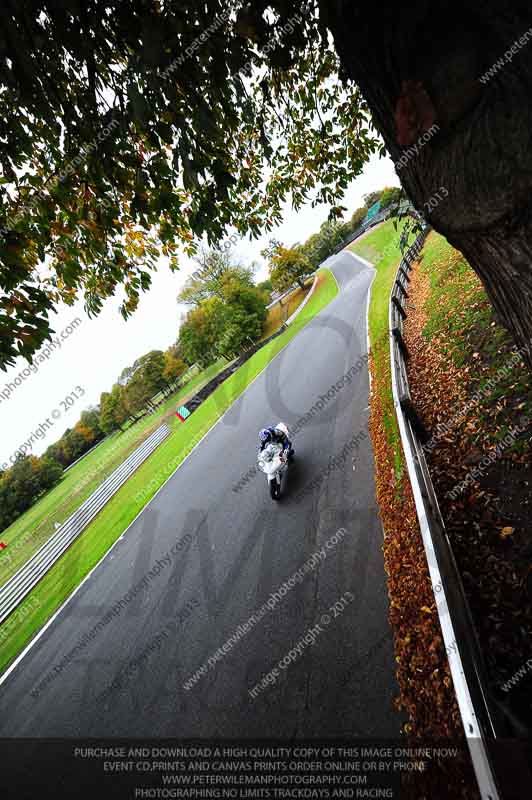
point(31, 476)
point(291, 265)
point(150, 374)
point(228, 309)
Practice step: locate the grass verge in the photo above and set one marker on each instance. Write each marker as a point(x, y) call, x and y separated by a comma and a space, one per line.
point(31, 530)
point(381, 248)
point(426, 696)
point(122, 509)
point(461, 323)
point(472, 388)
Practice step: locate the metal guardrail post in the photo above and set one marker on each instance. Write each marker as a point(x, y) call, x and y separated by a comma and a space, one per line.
point(399, 307)
point(398, 336)
point(402, 288)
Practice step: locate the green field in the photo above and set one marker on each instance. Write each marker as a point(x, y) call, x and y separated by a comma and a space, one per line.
point(381, 248)
point(122, 509)
point(36, 525)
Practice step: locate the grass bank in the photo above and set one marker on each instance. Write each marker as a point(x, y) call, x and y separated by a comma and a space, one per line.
point(31, 530)
point(115, 517)
point(472, 387)
point(381, 248)
point(426, 696)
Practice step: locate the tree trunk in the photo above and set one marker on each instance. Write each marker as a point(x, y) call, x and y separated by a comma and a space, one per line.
point(449, 85)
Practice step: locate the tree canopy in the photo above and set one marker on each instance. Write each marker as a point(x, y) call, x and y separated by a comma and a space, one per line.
point(246, 316)
point(321, 245)
point(216, 271)
point(358, 216)
point(288, 265)
point(129, 130)
point(174, 365)
point(228, 309)
point(113, 412)
point(390, 195)
point(23, 483)
point(132, 129)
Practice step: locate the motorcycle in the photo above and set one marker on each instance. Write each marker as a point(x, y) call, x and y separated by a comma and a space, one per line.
point(273, 461)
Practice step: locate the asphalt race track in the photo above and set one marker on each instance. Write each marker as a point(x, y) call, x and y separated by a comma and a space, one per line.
point(232, 551)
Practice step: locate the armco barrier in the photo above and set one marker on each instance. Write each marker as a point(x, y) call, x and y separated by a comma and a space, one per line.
point(282, 296)
point(28, 576)
point(482, 720)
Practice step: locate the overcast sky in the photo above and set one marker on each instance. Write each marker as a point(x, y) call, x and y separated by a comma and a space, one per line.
point(94, 354)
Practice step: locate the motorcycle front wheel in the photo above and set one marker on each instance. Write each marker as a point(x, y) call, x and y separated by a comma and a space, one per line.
point(275, 490)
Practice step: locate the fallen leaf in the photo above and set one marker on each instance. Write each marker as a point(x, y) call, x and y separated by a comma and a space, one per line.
point(507, 531)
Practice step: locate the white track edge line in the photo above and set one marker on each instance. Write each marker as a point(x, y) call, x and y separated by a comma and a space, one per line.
point(359, 258)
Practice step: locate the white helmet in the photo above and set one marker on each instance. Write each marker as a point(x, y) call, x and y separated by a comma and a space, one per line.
point(282, 427)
